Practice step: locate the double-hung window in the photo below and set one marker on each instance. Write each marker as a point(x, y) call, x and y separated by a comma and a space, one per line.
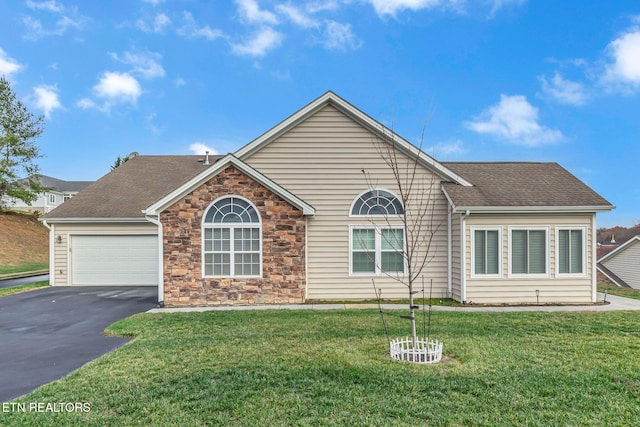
point(487, 250)
point(529, 254)
point(232, 243)
point(377, 250)
point(570, 249)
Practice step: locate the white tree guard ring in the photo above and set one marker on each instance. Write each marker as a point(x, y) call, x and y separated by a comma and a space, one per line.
point(424, 352)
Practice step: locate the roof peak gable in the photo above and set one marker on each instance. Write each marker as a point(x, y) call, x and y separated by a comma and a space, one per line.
point(358, 116)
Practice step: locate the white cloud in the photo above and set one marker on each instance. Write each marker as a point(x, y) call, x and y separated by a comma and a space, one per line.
point(113, 88)
point(260, 44)
point(340, 37)
point(190, 29)
point(297, 16)
point(67, 18)
point(50, 5)
point(563, 91)
point(144, 64)
point(514, 120)
point(179, 82)
point(448, 149)
point(8, 65)
point(160, 22)
point(46, 98)
point(623, 72)
point(250, 12)
point(392, 7)
point(499, 4)
point(201, 149)
point(154, 2)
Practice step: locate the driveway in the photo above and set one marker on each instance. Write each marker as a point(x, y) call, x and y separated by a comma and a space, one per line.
point(48, 333)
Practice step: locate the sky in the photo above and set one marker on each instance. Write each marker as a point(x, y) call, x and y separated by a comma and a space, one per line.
point(475, 80)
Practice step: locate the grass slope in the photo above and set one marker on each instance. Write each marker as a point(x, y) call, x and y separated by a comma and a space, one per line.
point(24, 243)
point(282, 368)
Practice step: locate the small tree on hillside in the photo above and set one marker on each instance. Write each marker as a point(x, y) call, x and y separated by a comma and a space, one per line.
point(119, 162)
point(18, 151)
point(420, 222)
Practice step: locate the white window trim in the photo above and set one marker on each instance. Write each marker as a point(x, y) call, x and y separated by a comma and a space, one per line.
point(52, 199)
point(547, 245)
point(584, 251)
point(351, 215)
point(473, 230)
point(233, 226)
point(378, 254)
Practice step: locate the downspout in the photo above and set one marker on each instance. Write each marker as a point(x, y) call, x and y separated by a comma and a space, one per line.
point(52, 267)
point(306, 259)
point(594, 256)
point(157, 222)
point(463, 257)
point(449, 254)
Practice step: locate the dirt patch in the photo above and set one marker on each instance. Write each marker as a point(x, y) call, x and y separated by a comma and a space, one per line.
point(23, 239)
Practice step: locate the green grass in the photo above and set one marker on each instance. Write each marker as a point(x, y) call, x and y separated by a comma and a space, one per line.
point(23, 267)
point(22, 288)
point(622, 292)
point(312, 368)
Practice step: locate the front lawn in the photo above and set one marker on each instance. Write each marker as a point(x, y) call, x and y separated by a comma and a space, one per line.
point(619, 291)
point(283, 368)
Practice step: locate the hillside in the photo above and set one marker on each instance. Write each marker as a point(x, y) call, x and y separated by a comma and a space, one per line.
point(23, 241)
point(621, 234)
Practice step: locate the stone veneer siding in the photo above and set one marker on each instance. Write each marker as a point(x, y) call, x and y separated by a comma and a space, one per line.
point(283, 252)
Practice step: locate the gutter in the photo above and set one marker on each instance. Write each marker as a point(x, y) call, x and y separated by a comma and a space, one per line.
point(157, 222)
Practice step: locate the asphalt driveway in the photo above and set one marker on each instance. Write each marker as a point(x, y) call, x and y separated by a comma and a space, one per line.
point(48, 333)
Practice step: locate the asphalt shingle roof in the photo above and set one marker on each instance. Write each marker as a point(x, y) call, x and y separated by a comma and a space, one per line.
point(516, 184)
point(132, 187)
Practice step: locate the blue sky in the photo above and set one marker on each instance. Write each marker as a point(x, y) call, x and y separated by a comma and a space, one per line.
point(494, 80)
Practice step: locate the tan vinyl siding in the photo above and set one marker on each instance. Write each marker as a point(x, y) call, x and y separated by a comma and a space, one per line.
point(61, 250)
point(625, 265)
point(554, 288)
point(321, 161)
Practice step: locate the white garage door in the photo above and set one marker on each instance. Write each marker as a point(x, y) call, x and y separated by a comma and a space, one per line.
point(114, 260)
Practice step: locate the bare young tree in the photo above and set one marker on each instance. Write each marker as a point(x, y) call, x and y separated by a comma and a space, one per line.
point(419, 221)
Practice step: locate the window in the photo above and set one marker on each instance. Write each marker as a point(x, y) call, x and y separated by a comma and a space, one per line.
point(232, 244)
point(571, 253)
point(377, 203)
point(66, 197)
point(52, 199)
point(528, 252)
point(487, 251)
point(377, 250)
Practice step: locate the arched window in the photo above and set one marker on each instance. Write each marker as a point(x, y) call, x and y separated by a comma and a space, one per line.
point(232, 244)
point(377, 249)
point(377, 203)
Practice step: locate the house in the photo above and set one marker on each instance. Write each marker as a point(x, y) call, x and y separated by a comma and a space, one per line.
point(620, 266)
point(290, 217)
point(57, 192)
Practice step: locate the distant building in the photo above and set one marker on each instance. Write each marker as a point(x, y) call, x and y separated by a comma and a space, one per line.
point(58, 191)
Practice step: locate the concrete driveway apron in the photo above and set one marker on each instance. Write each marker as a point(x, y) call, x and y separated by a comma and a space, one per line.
point(48, 333)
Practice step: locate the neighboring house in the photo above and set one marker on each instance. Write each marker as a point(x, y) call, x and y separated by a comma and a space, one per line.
point(282, 220)
point(621, 265)
point(58, 192)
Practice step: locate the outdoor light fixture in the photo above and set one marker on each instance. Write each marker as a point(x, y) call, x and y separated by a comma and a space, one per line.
point(59, 239)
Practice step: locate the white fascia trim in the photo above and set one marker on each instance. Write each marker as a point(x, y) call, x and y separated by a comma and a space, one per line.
point(92, 220)
point(360, 117)
point(609, 277)
point(619, 248)
point(533, 209)
point(216, 168)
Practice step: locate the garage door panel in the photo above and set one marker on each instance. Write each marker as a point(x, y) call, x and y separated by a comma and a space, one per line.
point(126, 260)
